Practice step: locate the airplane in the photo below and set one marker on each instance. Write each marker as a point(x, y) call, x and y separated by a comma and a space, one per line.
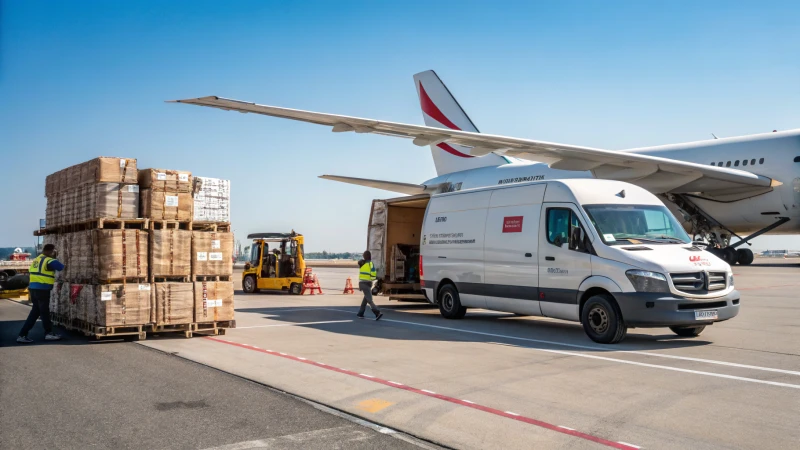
point(722, 188)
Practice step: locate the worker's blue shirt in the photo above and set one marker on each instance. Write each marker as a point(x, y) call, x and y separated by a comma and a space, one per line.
point(53, 265)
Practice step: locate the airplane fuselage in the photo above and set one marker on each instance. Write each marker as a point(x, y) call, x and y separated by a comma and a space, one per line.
point(773, 155)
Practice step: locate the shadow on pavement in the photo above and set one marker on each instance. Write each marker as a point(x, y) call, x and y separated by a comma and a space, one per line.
point(422, 322)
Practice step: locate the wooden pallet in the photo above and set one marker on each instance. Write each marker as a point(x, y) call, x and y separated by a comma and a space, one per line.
point(211, 278)
point(213, 328)
point(172, 279)
point(99, 331)
point(105, 223)
point(211, 226)
point(185, 328)
point(170, 225)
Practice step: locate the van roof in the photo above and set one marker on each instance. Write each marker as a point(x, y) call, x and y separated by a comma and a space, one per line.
point(584, 190)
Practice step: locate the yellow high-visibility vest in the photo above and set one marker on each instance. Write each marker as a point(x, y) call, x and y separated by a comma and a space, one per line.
point(39, 271)
point(368, 272)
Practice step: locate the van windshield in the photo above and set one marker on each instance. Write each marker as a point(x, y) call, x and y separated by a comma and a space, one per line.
point(633, 224)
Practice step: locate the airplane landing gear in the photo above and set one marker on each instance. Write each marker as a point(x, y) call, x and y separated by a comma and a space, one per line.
point(745, 256)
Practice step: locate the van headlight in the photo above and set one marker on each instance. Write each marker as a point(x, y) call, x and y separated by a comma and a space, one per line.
point(730, 280)
point(645, 281)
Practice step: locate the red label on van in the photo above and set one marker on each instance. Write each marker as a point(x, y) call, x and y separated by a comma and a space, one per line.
point(512, 224)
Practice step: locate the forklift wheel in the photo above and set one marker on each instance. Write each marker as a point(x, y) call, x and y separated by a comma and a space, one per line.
point(249, 284)
point(294, 289)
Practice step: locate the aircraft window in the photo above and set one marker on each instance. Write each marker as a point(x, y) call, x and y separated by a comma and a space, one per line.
point(736, 164)
point(761, 161)
point(744, 163)
point(752, 162)
point(720, 164)
point(728, 164)
point(713, 163)
point(797, 159)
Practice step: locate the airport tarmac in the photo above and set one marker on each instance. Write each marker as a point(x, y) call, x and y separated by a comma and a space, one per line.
point(495, 380)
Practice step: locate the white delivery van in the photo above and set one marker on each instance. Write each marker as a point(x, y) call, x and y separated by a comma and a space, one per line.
point(604, 253)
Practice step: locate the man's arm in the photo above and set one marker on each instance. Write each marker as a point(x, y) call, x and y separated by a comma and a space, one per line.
point(55, 265)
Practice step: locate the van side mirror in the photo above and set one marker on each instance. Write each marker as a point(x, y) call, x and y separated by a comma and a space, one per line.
point(576, 240)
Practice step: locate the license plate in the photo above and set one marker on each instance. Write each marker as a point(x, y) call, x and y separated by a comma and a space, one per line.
point(705, 315)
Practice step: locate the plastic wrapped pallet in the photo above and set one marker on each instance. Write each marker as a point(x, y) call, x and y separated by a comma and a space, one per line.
point(213, 301)
point(163, 180)
point(212, 253)
point(93, 256)
point(99, 170)
point(212, 200)
point(170, 253)
point(166, 205)
point(92, 201)
point(174, 303)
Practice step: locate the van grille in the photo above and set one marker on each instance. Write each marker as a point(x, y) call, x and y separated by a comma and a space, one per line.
point(699, 282)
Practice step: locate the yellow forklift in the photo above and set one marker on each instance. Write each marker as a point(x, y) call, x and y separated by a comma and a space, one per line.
point(276, 263)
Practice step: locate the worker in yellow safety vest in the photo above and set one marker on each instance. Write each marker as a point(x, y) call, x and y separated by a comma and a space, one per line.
point(366, 276)
point(43, 276)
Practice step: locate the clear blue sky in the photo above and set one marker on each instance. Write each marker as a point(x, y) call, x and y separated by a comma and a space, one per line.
point(79, 79)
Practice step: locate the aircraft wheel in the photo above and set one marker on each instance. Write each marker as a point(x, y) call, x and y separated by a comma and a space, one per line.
point(730, 256)
point(745, 256)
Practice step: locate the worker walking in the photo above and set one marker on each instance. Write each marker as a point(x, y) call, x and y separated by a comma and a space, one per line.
point(367, 274)
point(43, 275)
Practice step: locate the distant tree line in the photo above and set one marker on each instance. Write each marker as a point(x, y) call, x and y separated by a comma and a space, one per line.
point(325, 255)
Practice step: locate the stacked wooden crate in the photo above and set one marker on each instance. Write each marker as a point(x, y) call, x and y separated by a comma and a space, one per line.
point(212, 255)
point(92, 219)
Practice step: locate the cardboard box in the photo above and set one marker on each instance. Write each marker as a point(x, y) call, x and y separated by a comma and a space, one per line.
point(212, 200)
point(94, 256)
point(163, 180)
point(170, 253)
point(166, 205)
point(212, 253)
point(174, 303)
point(99, 170)
point(92, 201)
point(213, 301)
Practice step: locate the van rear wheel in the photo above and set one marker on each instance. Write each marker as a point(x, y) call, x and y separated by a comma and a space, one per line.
point(602, 320)
point(450, 303)
point(688, 331)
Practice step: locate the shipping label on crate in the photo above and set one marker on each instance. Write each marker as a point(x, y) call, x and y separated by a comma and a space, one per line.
point(202, 256)
point(161, 176)
point(106, 296)
point(122, 162)
point(215, 256)
point(214, 303)
point(144, 287)
point(171, 200)
point(183, 177)
point(215, 244)
point(133, 188)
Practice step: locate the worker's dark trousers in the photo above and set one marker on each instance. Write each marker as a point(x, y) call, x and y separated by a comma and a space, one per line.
point(366, 288)
point(40, 300)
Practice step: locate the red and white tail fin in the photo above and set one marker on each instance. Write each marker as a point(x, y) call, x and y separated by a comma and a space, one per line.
point(440, 109)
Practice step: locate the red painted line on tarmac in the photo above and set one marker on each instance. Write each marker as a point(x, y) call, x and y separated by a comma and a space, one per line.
point(395, 385)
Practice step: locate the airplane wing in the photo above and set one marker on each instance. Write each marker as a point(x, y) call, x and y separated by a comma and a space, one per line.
point(392, 186)
point(658, 175)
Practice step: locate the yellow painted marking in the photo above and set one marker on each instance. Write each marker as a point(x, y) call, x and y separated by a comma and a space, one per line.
point(374, 405)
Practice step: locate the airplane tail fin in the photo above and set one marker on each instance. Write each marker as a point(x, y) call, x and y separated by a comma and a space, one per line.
point(440, 109)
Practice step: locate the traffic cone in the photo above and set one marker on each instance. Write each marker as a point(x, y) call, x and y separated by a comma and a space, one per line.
point(348, 287)
point(311, 283)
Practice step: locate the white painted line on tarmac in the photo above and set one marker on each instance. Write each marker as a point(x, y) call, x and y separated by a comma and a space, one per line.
point(429, 392)
point(629, 445)
point(603, 358)
point(512, 413)
point(294, 324)
point(566, 428)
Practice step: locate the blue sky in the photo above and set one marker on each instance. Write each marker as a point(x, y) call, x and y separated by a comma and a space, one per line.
point(83, 79)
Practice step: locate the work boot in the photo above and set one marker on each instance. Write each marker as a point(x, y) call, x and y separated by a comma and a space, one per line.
point(378, 317)
point(24, 340)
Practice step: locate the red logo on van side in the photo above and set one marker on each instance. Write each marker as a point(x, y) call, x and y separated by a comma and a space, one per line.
point(512, 224)
point(694, 258)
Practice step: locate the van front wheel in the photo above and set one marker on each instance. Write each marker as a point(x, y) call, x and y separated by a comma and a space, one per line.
point(688, 331)
point(450, 304)
point(602, 320)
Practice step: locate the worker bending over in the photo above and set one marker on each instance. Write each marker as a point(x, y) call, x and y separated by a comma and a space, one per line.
point(43, 276)
point(367, 275)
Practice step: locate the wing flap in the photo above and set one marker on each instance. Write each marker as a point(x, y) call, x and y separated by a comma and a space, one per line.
point(392, 186)
point(650, 172)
